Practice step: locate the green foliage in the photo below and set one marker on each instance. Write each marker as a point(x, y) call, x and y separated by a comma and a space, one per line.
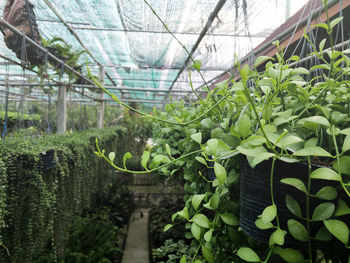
point(172, 251)
point(37, 205)
point(281, 113)
point(93, 239)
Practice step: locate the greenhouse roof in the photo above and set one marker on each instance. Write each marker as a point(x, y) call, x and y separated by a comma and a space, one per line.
point(144, 61)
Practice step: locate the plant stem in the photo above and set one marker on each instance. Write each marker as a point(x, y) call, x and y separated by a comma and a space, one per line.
point(308, 208)
point(271, 189)
point(269, 254)
point(143, 172)
point(338, 160)
point(195, 255)
point(150, 116)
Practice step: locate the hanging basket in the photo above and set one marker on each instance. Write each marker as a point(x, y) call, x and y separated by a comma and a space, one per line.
point(255, 196)
point(49, 160)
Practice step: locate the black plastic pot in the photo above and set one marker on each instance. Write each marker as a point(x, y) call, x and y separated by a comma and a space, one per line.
point(255, 196)
point(49, 160)
point(210, 171)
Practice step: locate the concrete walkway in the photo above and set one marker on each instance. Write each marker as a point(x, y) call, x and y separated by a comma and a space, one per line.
point(136, 247)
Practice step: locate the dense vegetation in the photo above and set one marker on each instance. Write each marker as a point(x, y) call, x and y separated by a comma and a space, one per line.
point(45, 183)
point(283, 116)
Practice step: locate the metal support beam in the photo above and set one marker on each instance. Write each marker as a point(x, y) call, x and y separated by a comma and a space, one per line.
point(109, 87)
point(101, 103)
point(211, 18)
point(62, 110)
point(162, 32)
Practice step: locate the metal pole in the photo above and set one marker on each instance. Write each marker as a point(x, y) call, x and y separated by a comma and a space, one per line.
point(101, 104)
point(201, 36)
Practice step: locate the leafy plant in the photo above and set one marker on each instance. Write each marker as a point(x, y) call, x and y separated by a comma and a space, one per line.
point(277, 115)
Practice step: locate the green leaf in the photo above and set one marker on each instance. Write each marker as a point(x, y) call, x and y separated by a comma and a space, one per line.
point(184, 213)
point(344, 165)
point(345, 131)
point(207, 123)
point(346, 144)
point(290, 140)
point(126, 157)
point(208, 255)
point(173, 217)
point(277, 237)
point(183, 259)
point(261, 59)
point(297, 183)
point(168, 150)
point(293, 206)
point(144, 159)
point(323, 211)
point(261, 225)
point(322, 66)
point(220, 173)
point(319, 120)
point(260, 158)
point(208, 235)
point(201, 220)
point(338, 229)
point(201, 160)
point(327, 193)
point(248, 254)
point(213, 145)
point(321, 45)
point(229, 219)
point(244, 73)
point(312, 151)
point(289, 254)
point(301, 71)
point(269, 214)
point(322, 25)
point(167, 227)
point(196, 65)
point(342, 208)
point(335, 21)
point(111, 156)
point(222, 85)
point(253, 152)
point(197, 137)
point(297, 230)
point(244, 124)
point(196, 231)
point(326, 174)
point(196, 200)
point(214, 201)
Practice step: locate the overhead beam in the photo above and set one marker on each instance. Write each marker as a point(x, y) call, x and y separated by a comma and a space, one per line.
point(211, 18)
point(110, 87)
point(163, 32)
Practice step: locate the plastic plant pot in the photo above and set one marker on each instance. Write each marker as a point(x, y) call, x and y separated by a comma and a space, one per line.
point(255, 196)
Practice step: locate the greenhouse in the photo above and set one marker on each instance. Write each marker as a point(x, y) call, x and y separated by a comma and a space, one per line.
point(189, 131)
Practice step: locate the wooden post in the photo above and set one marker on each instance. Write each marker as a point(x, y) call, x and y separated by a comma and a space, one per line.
point(101, 104)
point(62, 110)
